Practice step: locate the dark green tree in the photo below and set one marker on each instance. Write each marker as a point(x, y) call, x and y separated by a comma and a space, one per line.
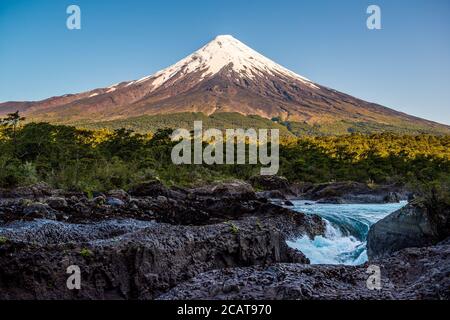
point(12, 121)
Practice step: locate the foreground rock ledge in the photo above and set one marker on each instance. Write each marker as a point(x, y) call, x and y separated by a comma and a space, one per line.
point(143, 245)
point(129, 259)
point(414, 273)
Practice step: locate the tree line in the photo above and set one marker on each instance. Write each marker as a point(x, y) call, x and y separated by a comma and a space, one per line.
point(70, 158)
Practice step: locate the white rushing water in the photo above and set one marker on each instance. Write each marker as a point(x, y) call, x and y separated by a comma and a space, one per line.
point(347, 227)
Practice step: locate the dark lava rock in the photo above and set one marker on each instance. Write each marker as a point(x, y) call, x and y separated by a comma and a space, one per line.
point(97, 194)
point(353, 192)
point(392, 197)
point(237, 190)
point(129, 259)
point(268, 183)
point(39, 211)
point(150, 189)
point(57, 203)
point(409, 274)
point(119, 194)
point(99, 200)
point(331, 200)
point(114, 202)
point(140, 248)
point(198, 206)
point(35, 191)
point(412, 226)
point(274, 187)
point(272, 194)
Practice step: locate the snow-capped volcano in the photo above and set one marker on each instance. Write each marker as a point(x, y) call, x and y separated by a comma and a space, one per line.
point(224, 51)
point(225, 75)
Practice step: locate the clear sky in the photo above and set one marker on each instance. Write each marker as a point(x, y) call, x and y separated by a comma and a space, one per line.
point(405, 66)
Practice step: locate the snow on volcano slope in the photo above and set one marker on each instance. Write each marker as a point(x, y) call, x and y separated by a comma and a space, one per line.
point(222, 52)
point(225, 75)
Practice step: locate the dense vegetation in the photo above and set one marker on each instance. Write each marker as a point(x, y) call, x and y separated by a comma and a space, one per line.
point(222, 120)
point(96, 160)
point(345, 127)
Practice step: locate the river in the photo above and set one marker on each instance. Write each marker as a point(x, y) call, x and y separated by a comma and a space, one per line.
point(347, 227)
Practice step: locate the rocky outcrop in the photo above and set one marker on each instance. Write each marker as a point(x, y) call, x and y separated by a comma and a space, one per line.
point(237, 190)
point(154, 202)
point(219, 241)
point(268, 183)
point(412, 226)
point(34, 191)
point(279, 188)
point(274, 187)
point(138, 247)
point(415, 273)
point(128, 259)
point(353, 192)
point(152, 189)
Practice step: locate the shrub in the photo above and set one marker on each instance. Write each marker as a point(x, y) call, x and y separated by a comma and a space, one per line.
point(86, 253)
point(3, 240)
point(233, 228)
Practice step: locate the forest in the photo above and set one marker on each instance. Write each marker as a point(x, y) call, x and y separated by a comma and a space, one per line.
point(69, 158)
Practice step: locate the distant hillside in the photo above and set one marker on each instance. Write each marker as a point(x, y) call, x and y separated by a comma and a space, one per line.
point(222, 121)
point(144, 124)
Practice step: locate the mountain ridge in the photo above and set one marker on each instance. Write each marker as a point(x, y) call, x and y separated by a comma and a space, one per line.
point(223, 76)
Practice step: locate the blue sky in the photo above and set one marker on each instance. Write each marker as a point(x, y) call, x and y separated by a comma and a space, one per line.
point(405, 66)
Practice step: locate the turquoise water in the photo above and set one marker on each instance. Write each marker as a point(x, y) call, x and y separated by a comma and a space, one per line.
point(347, 227)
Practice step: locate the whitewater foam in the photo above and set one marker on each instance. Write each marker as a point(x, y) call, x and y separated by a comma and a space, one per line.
point(347, 226)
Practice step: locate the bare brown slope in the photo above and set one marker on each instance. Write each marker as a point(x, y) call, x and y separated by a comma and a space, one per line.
point(270, 96)
point(223, 76)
